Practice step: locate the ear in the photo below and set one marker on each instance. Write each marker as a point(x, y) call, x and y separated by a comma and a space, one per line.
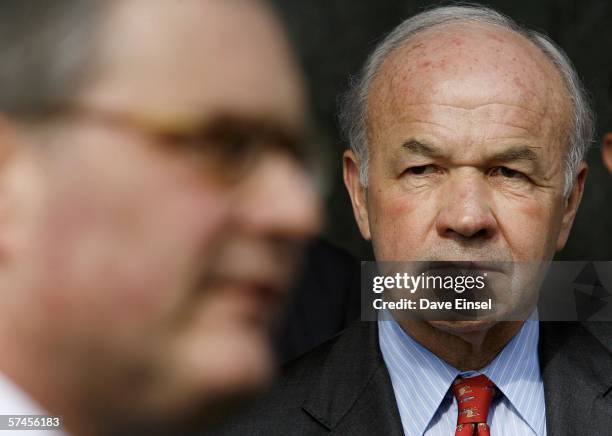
point(606, 151)
point(571, 205)
point(357, 192)
point(9, 142)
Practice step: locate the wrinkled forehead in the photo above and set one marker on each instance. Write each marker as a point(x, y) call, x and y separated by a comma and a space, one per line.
point(471, 65)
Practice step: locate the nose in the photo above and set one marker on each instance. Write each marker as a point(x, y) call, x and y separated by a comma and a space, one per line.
point(465, 214)
point(279, 200)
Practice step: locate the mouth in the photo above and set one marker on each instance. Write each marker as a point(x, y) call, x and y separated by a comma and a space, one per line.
point(267, 298)
point(254, 302)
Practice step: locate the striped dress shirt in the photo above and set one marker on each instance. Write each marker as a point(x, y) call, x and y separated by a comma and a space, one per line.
point(421, 383)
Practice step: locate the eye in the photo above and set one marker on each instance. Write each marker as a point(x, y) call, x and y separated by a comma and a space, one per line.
point(507, 173)
point(422, 170)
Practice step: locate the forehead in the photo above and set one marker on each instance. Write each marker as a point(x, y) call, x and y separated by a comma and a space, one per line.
point(196, 58)
point(470, 67)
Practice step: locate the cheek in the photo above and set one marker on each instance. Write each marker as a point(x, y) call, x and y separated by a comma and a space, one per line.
point(399, 223)
point(529, 226)
point(127, 245)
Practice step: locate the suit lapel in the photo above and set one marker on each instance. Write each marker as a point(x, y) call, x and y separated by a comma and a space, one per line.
point(353, 393)
point(576, 367)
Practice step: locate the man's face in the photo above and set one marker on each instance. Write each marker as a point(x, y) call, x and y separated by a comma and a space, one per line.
point(468, 129)
point(156, 227)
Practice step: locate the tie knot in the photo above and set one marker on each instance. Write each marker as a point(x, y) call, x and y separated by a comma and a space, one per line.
point(474, 397)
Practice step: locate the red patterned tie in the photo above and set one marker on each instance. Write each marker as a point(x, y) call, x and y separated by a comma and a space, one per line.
point(474, 397)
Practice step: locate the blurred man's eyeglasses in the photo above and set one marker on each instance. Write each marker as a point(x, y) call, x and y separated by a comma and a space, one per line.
point(224, 149)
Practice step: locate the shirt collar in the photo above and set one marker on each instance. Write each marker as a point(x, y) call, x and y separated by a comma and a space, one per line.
point(421, 379)
point(521, 383)
point(14, 401)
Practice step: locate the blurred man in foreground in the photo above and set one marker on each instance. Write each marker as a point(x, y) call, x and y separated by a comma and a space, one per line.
point(468, 136)
point(153, 201)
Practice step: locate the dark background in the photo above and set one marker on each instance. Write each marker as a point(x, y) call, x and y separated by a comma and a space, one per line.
point(333, 38)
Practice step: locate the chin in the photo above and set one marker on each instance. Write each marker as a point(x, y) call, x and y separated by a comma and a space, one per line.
point(242, 364)
point(463, 327)
point(224, 352)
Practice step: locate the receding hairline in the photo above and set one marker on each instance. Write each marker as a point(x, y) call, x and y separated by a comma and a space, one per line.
point(401, 55)
point(352, 108)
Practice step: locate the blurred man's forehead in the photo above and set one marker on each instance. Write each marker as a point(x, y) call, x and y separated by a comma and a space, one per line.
point(196, 59)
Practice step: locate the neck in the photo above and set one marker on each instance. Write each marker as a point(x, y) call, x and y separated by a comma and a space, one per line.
point(465, 346)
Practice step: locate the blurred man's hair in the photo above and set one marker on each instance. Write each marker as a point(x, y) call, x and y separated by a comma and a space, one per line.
point(44, 53)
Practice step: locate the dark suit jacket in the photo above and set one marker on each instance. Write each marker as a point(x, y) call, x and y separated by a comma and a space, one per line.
point(325, 300)
point(343, 387)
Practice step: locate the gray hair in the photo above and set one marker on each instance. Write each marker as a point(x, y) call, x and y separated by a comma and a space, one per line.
point(353, 103)
point(44, 52)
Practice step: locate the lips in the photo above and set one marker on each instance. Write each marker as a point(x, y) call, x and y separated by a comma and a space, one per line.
point(252, 275)
point(267, 298)
point(255, 300)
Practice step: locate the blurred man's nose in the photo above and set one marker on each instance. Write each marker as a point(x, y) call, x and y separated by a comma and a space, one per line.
point(279, 199)
point(465, 210)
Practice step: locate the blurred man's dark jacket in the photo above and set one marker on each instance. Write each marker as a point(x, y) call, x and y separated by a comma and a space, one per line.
point(324, 301)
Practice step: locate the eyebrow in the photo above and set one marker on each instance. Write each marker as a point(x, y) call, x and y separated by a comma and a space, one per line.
point(516, 153)
point(259, 126)
point(230, 126)
point(422, 149)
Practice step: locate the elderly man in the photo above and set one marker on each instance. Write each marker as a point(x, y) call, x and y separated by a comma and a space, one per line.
point(154, 199)
point(467, 141)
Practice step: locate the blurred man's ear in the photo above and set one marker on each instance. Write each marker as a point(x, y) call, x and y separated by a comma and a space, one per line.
point(8, 141)
point(356, 191)
point(11, 148)
point(571, 204)
point(8, 137)
point(606, 151)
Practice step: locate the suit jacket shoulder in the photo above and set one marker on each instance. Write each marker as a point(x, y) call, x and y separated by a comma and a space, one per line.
point(576, 368)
